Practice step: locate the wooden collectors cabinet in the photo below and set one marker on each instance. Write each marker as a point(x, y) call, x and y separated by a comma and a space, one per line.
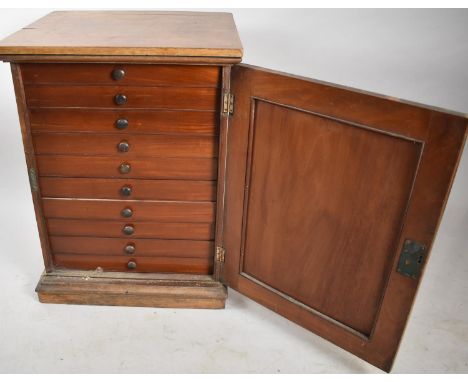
point(162, 171)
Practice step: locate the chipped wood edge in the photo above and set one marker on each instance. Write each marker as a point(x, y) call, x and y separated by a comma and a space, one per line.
point(120, 289)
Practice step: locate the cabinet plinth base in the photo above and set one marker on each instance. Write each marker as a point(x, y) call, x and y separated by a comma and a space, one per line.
point(131, 289)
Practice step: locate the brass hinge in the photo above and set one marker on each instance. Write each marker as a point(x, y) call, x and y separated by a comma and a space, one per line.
point(228, 103)
point(33, 179)
point(220, 252)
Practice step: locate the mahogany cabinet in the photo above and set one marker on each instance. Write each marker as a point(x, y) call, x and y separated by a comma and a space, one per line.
point(163, 171)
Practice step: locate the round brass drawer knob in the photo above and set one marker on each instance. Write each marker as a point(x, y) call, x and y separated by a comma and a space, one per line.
point(129, 249)
point(126, 190)
point(127, 212)
point(128, 230)
point(123, 146)
point(121, 123)
point(118, 74)
point(120, 99)
point(125, 168)
point(131, 265)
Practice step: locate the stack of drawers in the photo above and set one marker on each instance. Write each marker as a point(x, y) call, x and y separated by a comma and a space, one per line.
point(127, 163)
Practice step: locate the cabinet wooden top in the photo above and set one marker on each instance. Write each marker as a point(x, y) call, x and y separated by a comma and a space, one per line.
point(121, 33)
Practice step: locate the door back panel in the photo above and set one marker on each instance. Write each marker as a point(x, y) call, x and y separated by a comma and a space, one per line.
point(324, 186)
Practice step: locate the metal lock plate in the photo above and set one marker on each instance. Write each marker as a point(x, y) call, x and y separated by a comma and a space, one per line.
point(411, 259)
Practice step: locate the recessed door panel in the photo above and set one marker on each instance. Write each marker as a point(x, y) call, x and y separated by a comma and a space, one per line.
point(325, 205)
point(333, 198)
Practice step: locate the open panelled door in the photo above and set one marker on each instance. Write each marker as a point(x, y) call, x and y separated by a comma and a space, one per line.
point(333, 200)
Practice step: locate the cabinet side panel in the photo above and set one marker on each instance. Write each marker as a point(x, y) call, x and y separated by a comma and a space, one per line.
point(31, 163)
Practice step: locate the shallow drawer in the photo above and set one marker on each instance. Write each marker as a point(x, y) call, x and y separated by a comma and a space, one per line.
point(140, 229)
point(131, 121)
point(110, 167)
point(134, 247)
point(127, 146)
point(136, 97)
point(143, 264)
point(203, 212)
point(149, 75)
point(125, 189)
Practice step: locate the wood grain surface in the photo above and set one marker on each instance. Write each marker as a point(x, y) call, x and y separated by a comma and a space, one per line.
point(120, 59)
point(144, 264)
point(141, 189)
point(143, 247)
point(199, 212)
point(111, 33)
point(134, 75)
point(192, 98)
point(172, 156)
point(142, 229)
point(141, 168)
point(334, 182)
point(311, 180)
point(173, 118)
point(31, 164)
point(173, 146)
point(131, 289)
point(139, 121)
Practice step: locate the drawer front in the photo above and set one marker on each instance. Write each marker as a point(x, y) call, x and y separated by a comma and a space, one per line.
point(135, 97)
point(192, 122)
point(125, 189)
point(126, 146)
point(198, 212)
point(131, 247)
point(127, 157)
point(142, 264)
point(140, 229)
point(140, 168)
point(125, 74)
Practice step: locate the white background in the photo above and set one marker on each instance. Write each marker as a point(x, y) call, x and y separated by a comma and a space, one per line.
point(419, 55)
